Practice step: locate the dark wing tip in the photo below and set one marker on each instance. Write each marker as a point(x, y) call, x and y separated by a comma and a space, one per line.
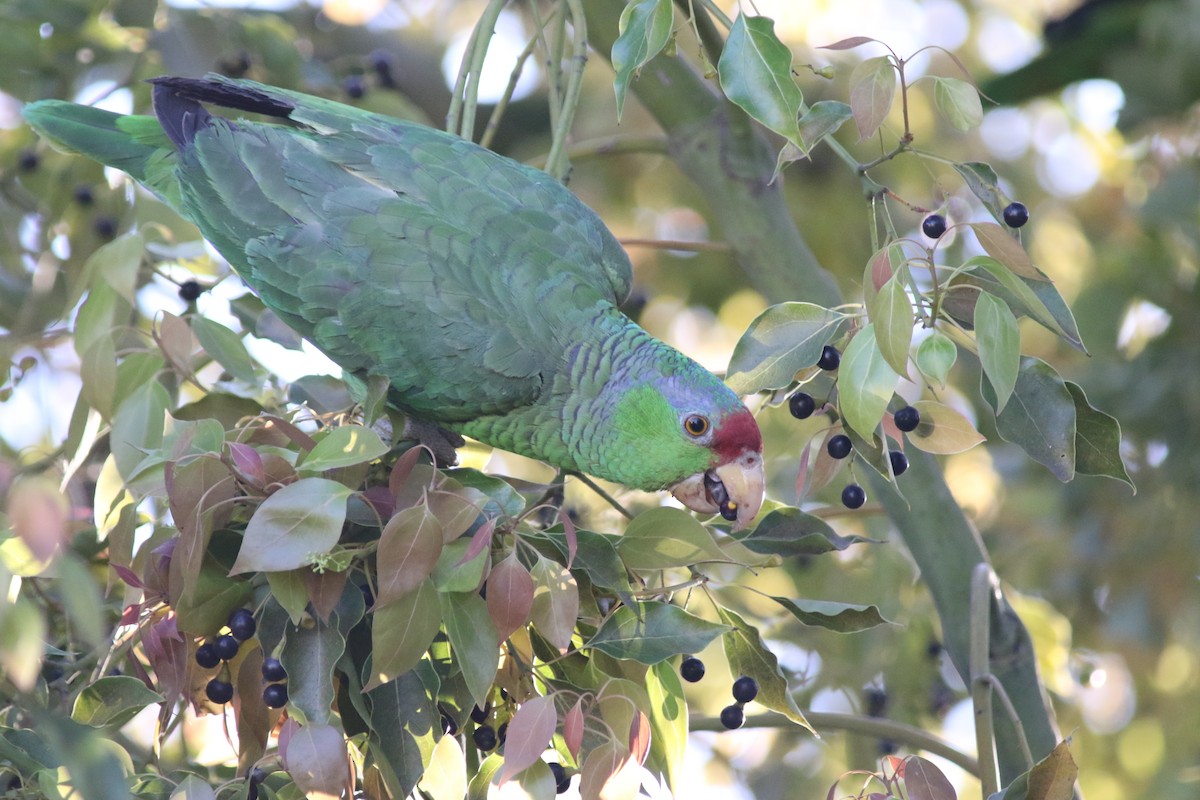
point(177, 103)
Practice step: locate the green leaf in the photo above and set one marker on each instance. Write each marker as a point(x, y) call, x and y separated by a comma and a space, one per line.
point(473, 638)
point(866, 383)
point(942, 430)
point(999, 344)
point(890, 311)
point(290, 590)
point(1097, 440)
point(81, 597)
point(645, 29)
point(780, 342)
point(668, 722)
point(343, 446)
point(789, 532)
point(958, 101)
point(22, 635)
point(983, 182)
point(840, 617)
point(405, 726)
point(112, 700)
point(872, 88)
point(312, 651)
point(1040, 417)
point(225, 347)
point(936, 354)
point(193, 787)
point(116, 264)
point(664, 537)
point(452, 574)
point(755, 71)
point(297, 522)
point(324, 394)
point(652, 632)
point(1059, 311)
point(137, 430)
point(1030, 303)
point(402, 632)
point(748, 655)
point(823, 118)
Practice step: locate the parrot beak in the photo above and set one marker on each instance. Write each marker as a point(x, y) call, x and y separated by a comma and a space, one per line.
point(734, 489)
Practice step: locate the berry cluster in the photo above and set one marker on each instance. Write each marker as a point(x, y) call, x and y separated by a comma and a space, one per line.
point(224, 649)
point(745, 689)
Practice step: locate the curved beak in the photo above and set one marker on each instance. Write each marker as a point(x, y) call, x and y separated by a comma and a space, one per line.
point(734, 489)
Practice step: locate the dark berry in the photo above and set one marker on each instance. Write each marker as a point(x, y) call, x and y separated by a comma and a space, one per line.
point(83, 195)
point(899, 462)
point(480, 715)
point(484, 738)
point(226, 647)
point(934, 226)
point(691, 669)
point(502, 732)
point(562, 781)
point(368, 595)
point(105, 227)
point(354, 86)
point(907, 419)
point(802, 405)
point(933, 649)
point(745, 689)
point(28, 160)
point(876, 701)
point(733, 716)
point(830, 358)
point(189, 291)
point(256, 777)
point(449, 726)
point(272, 670)
point(235, 66)
point(219, 691)
point(381, 62)
point(887, 747)
point(275, 695)
point(839, 446)
point(853, 496)
point(206, 656)
point(242, 624)
point(1015, 215)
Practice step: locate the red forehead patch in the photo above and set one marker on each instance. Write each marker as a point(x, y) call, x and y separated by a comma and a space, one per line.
point(736, 434)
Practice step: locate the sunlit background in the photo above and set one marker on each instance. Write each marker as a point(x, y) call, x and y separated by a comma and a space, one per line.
point(1105, 580)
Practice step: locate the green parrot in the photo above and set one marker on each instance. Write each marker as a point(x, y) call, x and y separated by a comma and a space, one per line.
point(481, 289)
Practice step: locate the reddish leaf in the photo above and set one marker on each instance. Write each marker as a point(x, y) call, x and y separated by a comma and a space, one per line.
point(639, 737)
point(509, 596)
point(924, 781)
point(573, 729)
point(251, 713)
point(380, 500)
point(325, 590)
point(569, 532)
point(248, 464)
point(408, 551)
point(529, 733)
point(403, 468)
point(1007, 250)
point(175, 340)
point(872, 88)
point(481, 540)
point(456, 511)
point(294, 434)
point(38, 514)
point(129, 576)
point(555, 603)
point(609, 771)
point(802, 473)
point(847, 44)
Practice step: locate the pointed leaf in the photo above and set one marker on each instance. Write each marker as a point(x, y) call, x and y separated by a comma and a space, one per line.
point(445, 777)
point(866, 383)
point(315, 757)
point(529, 733)
point(840, 617)
point(112, 701)
point(780, 342)
point(193, 787)
point(409, 547)
point(343, 446)
point(474, 640)
point(509, 595)
point(404, 727)
point(983, 182)
point(1001, 246)
point(573, 729)
point(664, 537)
point(1097, 440)
point(1040, 417)
point(652, 632)
point(942, 430)
point(645, 29)
point(226, 348)
point(299, 521)
point(924, 781)
point(456, 510)
point(958, 101)
point(668, 722)
point(555, 603)
point(789, 532)
point(890, 311)
point(748, 655)
point(823, 118)
point(402, 632)
point(872, 88)
point(999, 344)
point(848, 43)
point(936, 354)
point(755, 71)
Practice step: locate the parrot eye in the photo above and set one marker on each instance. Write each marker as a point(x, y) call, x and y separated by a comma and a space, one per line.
point(696, 425)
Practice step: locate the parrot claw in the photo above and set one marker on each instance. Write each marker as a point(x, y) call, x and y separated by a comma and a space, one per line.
point(441, 442)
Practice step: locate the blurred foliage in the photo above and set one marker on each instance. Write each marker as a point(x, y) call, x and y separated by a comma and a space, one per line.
point(1105, 580)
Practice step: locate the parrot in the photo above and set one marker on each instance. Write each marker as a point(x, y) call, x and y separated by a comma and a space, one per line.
point(482, 290)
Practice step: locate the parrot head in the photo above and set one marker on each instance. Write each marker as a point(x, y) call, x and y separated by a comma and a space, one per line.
point(697, 440)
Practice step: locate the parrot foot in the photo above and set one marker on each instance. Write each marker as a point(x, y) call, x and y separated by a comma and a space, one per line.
point(441, 442)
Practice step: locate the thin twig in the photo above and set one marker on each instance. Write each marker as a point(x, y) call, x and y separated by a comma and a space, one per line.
point(588, 482)
point(676, 244)
point(982, 586)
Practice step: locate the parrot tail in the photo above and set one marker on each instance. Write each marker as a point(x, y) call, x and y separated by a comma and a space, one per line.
point(136, 145)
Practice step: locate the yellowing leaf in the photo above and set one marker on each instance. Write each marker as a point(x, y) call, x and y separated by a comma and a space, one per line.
point(872, 88)
point(942, 430)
